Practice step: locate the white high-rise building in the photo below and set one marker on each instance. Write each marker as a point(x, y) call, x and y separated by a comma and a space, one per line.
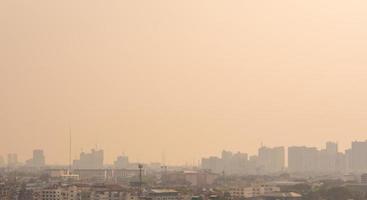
point(271, 159)
point(302, 159)
point(356, 157)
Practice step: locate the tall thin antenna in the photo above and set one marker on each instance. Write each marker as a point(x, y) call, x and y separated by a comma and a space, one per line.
point(69, 150)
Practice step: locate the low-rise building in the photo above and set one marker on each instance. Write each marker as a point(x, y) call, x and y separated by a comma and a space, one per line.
point(364, 178)
point(163, 194)
point(253, 191)
point(279, 196)
point(4, 191)
point(57, 193)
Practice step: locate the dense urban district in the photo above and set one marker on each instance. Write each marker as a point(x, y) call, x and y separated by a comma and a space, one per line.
point(306, 173)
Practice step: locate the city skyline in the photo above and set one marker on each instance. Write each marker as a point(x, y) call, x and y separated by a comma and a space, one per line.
point(262, 151)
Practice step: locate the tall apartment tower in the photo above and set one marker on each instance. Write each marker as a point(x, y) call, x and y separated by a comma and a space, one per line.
point(332, 147)
point(39, 159)
point(356, 157)
point(303, 159)
point(271, 159)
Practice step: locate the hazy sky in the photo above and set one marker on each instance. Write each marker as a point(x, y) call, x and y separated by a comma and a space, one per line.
point(188, 78)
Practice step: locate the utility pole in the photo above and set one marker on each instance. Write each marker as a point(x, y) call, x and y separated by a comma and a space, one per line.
point(140, 180)
point(164, 174)
point(224, 178)
point(69, 151)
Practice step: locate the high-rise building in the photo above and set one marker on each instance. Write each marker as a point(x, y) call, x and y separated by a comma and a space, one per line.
point(38, 159)
point(252, 166)
point(122, 162)
point(92, 160)
point(332, 148)
point(227, 155)
point(239, 162)
point(229, 163)
point(356, 157)
point(213, 164)
point(310, 159)
point(271, 159)
point(302, 159)
point(226, 161)
point(329, 158)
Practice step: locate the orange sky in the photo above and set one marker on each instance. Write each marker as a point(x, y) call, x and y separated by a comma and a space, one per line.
point(189, 78)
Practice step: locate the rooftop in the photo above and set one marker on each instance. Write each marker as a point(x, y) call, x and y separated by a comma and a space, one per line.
point(162, 191)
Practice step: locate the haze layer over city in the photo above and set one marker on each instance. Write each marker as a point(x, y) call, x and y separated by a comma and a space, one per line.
point(184, 79)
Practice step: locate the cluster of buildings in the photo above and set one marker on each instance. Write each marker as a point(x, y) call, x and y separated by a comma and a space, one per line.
point(262, 191)
point(102, 192)
point(188, 177)
point(95, 160)
point(329, 160)
point(44, 191)
point(233, 176)
point(87, 160)
point(231, 163)
point(164, 185)
point(92, 160)
point(101, 184)
point(268, 160)
point(301, 159)
point(168, 183)
point(37, 161)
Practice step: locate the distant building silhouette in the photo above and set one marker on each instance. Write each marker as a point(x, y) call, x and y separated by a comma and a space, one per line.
point(271, 160)
point(331, 160)
point(302, 159)
point(122, 162)
point(229, 163)
point(357, 157)
point(38, 160)
point(309, 159)
point(92, 160)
